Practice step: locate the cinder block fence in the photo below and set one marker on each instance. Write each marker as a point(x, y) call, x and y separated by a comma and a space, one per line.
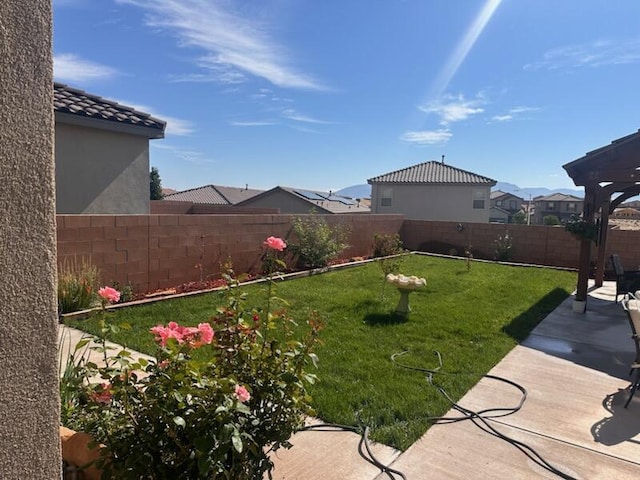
point(159, 251)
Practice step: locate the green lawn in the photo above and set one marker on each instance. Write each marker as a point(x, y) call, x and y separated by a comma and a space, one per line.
point(472, 317)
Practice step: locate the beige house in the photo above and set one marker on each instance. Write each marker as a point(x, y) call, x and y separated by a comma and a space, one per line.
point(560, 205)
point(501, 202)
point(297, 200)
point(433, 191)
point(101, 154)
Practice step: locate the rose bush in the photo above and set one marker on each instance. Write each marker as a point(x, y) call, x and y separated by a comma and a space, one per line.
point(181, 417)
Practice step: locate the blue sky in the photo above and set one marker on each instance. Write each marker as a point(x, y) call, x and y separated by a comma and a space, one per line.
point(324, 94)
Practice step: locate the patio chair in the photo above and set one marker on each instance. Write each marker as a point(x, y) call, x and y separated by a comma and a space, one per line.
point(626, 281)
point(631, 305)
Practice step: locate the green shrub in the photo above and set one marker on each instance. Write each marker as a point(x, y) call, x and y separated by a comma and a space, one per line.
point(519, 218)
point(127, 293)
point(317, 242)
point(385, 246)
point(76, 286)
point(502, 247)
point(550, 220)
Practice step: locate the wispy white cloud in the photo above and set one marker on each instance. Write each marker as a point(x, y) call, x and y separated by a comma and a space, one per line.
point(69, 67)
point(255, 123)
point(233, 46)
point(513, 113)
point(427, 137)
point(595, 54)
point(452, 109)
point(291, 114)
point(191, 156)
point(175, 126)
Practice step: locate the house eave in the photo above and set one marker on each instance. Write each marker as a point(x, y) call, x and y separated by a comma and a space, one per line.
point(118, 127)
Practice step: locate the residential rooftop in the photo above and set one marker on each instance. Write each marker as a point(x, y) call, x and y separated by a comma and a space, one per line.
point(78, 103)
point(435, 173)
point(214, 195)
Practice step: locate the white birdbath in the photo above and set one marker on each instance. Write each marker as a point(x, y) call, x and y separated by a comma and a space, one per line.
point(405, 286)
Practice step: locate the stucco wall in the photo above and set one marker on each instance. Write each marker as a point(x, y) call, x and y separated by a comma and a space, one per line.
point(29, 398)
point(98, 171)
point(432, 202)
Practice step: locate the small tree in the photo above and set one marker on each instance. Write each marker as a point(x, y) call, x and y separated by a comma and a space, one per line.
point(155, 184)
point(551, 220)
point(317, 242)
point(519, 218)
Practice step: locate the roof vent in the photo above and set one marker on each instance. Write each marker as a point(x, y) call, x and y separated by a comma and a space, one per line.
point(442, 159)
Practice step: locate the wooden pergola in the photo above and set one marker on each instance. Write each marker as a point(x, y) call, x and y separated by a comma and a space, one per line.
point(612, 169)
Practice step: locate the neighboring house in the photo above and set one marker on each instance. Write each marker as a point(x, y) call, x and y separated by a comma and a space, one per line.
point(626, 212)
point(214, 195)
point(297, 200)
point(561, 205)
point(101, 154)
point(499, 215)
point(505, 201)
point(433, 191)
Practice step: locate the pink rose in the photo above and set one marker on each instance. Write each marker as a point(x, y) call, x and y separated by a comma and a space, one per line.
point(165, 333)
point(242, 394)
point(206, 333)
point(102, 394)
point(109, 294)
point(275, 243)
point(194, 336)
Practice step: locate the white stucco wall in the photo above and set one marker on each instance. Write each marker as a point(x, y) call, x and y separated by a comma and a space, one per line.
point(99, 171)
point(432, 202)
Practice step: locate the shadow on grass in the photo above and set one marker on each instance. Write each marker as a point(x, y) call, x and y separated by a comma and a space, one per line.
point(521, 326)
point(391, 318)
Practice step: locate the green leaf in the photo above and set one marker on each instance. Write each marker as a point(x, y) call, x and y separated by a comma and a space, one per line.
point(204, 463)
point(178, 396)
point(178, 420)
point(237, 442)
point(81, 344)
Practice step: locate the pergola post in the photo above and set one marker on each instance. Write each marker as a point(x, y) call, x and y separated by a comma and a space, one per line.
point(602, 242)
point(584, 262)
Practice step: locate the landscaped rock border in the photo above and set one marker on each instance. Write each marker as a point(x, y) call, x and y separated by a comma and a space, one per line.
point(77, 454)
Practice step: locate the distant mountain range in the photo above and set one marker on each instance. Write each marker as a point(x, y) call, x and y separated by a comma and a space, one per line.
point(364, 191)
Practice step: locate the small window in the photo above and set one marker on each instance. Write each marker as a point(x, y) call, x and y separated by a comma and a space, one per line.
point(478, 199)
point(551, 206)
point(571, 207)
point(498, 203)
point(513, 204)
point(386, 198)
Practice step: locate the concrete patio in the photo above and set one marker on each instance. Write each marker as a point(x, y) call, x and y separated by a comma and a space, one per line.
point(575, 369)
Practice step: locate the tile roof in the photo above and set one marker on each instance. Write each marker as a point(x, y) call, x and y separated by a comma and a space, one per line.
point(499, 193)
point(558, 197)
point(214, 195)
point(432, 172)
point(80, 103)
point(323, 202)
point(329, 201)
